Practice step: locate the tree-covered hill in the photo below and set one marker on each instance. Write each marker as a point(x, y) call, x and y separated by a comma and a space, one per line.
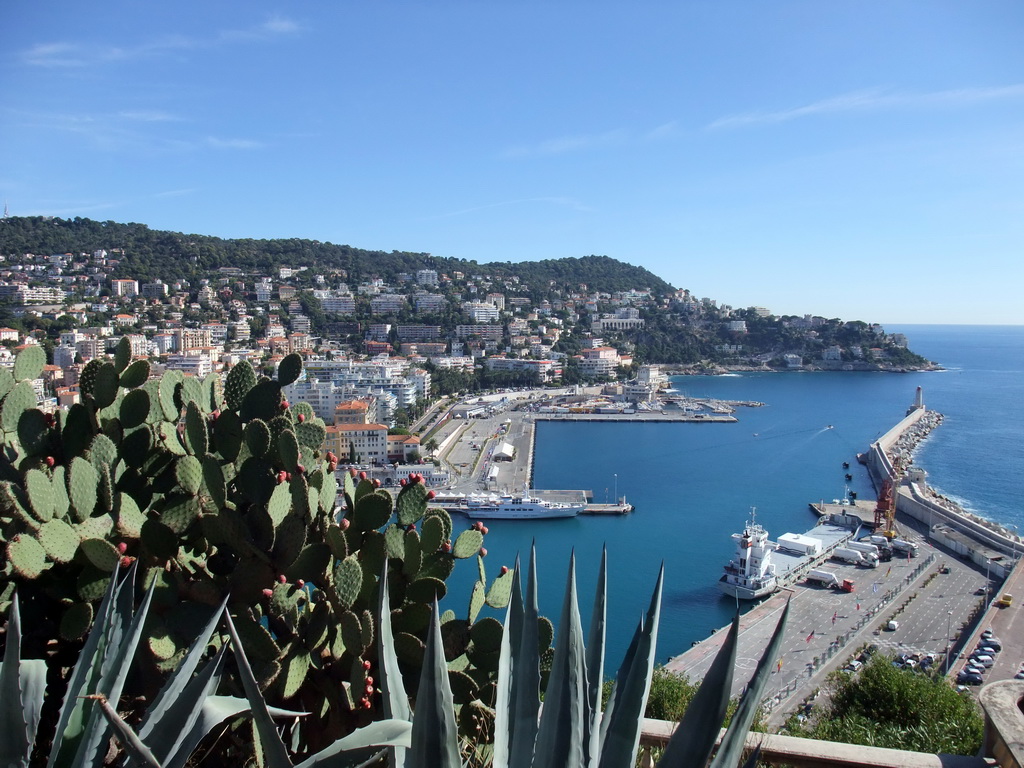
point(147, 254)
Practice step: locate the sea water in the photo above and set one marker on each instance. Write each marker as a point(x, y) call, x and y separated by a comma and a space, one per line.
point(694, 485)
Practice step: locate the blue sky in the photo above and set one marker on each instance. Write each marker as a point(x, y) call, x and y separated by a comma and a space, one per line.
point(858, 160)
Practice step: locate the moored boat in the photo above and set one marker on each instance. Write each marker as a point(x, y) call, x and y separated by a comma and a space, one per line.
point(751, 573)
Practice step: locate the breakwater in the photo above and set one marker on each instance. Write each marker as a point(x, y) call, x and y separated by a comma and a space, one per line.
point(891, 457)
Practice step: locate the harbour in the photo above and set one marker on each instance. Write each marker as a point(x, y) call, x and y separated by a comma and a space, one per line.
point(693, 487)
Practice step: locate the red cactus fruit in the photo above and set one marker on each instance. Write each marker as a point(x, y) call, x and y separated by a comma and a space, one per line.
point(344, 523)
point(403, 482)
point(300, 584)
point(366, 665)
point(483, 552)
point(362, 475)
point(483, 529)
point(126, 561)
point(300, 468)
point(281, 579)
point(431, 494)
point(50, 461)
point(301, 417)
point(352, 473)
point(504, 570)
point(376, 483)
point(268, 593)
point(369, 680)
point(121, 547)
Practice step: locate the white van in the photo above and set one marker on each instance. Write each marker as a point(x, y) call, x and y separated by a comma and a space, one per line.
point(892, 626)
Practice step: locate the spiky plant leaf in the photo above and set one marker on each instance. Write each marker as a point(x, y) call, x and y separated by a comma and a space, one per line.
point(525, 691)
point(693, 741)
point(560, 736)
point(734, 740)
point(435, 735)
point(620, 731)
point(274, 751)
point(595, 665)
point(22, 686)
point(289, 369)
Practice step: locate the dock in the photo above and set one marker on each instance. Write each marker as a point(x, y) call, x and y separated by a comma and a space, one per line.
point(608, 509)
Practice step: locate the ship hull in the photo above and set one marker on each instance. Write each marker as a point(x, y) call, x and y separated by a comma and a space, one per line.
point(746, 593)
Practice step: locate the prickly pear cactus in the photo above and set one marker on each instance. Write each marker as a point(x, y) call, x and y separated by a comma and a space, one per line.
point(227, 492)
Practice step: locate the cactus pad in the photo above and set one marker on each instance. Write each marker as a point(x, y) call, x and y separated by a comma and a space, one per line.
point(289, 369)
point(257, 437)
point(18, 400)
point(100, 553)
point(122, 354)
point(311, 564)
point(426, 590)
point(135, 375)
point(288, 449)
point(105, 390)
point(240, 379)
point(372, 512)
point(394, 541)
point(476, 600)
point(468, 544)
point(76, 621)
point(29, 363)
point(34, 432)
point(433, 534)
point(311, 433)
point(179, 512)
point(227, 432)
point(26, 556)
point(189, 473)
point(40, 494)
point(501, 590)
point(83, 484)
point(411, 503)
point(59, 540)
point(413, 553)
point(294, 671)
point(348, 580)
point(196, 437)
point(134, 408)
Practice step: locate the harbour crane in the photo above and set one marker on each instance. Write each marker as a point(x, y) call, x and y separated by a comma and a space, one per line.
point(885, 510)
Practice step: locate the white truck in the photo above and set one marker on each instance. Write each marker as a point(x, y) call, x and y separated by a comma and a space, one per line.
point(829, 579)
point(904, 547)
point(847, 555)
point(864, 547)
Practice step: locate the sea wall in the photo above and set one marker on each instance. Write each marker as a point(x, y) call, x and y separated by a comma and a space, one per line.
point(891, 457)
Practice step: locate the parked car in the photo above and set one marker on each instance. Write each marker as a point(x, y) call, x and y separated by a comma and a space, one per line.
point(1019, 675)
point(853, 666)
point(969, 678)
point(988, 633)
point(892, 626)
point(984, 660)
point(992, 643)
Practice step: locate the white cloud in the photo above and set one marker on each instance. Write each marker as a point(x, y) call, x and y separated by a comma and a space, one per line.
point(64, 54)
point(218, 143)
point(873, 99)
point(563, 144)
point(149, 116)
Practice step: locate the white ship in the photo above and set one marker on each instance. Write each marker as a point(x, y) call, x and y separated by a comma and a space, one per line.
point(524, 506)
point(751, 573)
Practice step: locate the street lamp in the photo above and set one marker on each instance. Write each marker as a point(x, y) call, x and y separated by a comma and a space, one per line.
point(988, 583)
point(616, 498)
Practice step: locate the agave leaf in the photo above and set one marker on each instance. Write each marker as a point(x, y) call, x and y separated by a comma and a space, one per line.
point(179, 715)
point(396, 701)
point(71, 723)
point(22, 686)
point(435, 736)
point(752, 760)
point(170, 695)
point(525, 691)
point(274, 751)
point(734, 740)
point(379, 734)
point(126, 631)
point(504, 722)
point(560, 736)
point(215, 710)
point(621, 739)
point(693, 741)
point(595, 665)
point(126, 737)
